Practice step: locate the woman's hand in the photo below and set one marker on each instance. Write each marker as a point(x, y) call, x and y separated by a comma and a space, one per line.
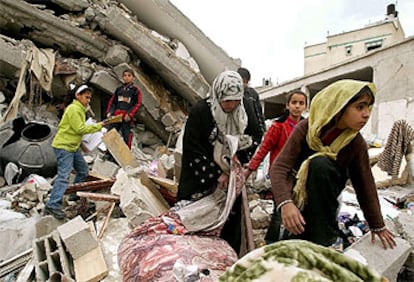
point(246, 172)
point(386, 237)
point(223, 181)
point(292, 219)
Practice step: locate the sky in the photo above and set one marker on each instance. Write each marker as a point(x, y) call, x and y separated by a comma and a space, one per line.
point(269, 36)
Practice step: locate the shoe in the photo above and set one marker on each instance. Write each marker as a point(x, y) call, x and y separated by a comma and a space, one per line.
point(56, 212)
point(73, 197)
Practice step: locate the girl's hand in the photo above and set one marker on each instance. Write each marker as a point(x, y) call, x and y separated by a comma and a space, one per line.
point(292, 219)
point(386, 237)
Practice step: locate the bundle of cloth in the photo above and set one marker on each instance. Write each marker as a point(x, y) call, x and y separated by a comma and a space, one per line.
point(298, 260)
point(183, 243)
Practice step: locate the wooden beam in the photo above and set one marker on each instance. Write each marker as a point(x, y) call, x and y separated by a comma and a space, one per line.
point(118, 149)
point(90, 186)
point(101, 231)
point(99, 197)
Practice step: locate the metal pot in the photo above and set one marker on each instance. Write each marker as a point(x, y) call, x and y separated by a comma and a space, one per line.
point(33, 151)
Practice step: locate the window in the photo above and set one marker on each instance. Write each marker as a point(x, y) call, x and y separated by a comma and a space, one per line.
point(348, 50)
point(372, 45)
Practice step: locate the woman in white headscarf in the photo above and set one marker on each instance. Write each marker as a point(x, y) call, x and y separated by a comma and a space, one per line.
point(204, 159)
point(326, 150)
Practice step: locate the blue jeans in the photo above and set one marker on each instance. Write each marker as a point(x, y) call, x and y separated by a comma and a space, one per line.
point(65, 162)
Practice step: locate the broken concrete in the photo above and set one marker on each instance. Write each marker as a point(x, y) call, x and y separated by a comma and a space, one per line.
point(386, 262)
point(138, 202)
point(77, 236)
point(178, 74)
point(72, 5)
point(12, 58)
point(164, 17)
point(52, 32)
point(156, 101)
point(404, 224)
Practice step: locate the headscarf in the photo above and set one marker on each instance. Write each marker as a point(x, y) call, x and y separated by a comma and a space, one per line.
point(324, 107)
point(228, 85)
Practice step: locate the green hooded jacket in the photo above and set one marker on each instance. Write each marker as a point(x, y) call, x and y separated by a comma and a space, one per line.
point(72, 127)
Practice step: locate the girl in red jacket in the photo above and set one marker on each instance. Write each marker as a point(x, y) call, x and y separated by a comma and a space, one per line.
point(273, 141)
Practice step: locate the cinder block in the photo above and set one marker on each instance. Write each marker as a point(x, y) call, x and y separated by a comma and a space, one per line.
point(49, 257)
point(78, 237)
point(387, 262)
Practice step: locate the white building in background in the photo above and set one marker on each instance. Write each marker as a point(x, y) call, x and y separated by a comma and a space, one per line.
point(378, 53)
point(342, 47)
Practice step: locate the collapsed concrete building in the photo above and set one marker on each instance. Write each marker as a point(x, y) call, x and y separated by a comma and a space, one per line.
point(47, 45)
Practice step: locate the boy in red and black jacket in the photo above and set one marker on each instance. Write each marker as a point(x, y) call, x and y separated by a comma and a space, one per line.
point(126, 102)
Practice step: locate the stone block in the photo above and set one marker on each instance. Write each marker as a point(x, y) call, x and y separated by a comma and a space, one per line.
point(404, 224)
point(78, 237)
point(46, 225)
point(169, 119)
point(117, 54)
point(105, 168)
point(12, 59)
point(387, 262)
point(104, 81)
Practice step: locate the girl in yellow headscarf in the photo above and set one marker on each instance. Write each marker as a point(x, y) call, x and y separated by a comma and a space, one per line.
point(322, 153)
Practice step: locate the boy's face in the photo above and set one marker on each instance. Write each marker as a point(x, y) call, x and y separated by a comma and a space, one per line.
point(127, 77)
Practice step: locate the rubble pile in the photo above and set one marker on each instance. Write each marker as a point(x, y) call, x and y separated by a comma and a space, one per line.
point(47, 47)
point(50, 45)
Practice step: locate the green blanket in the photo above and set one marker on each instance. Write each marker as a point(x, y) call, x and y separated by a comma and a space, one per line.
point(298, 260)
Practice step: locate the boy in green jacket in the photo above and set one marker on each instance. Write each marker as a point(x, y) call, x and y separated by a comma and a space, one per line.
point(66, 145)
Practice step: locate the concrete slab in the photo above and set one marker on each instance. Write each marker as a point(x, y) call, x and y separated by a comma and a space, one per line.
point(11, 59)
point(404, 224)
point(46, 225)
point(188, 83)
point(386, 262)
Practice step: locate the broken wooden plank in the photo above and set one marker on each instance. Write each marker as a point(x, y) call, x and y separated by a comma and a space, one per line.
point(101, 231)
point(90, 186)
point(119, 149)
point(99, 197)
point(168, 188)
point(27, 273)
point(167, 183)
